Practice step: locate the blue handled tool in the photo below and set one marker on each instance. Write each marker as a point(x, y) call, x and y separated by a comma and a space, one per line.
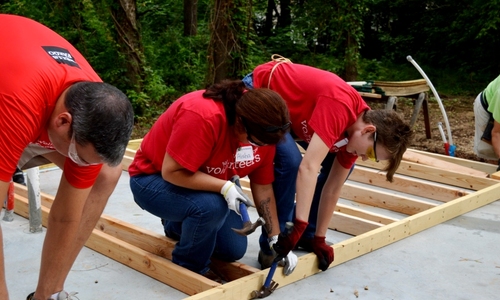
point(248, 226)
point(270, 285)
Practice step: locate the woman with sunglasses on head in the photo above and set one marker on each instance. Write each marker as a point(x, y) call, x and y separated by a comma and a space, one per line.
point(335, 126)
point(182, 171)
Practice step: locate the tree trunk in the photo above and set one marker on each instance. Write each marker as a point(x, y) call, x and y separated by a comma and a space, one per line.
point(351, 70)
point(190, 17)
point(285, 17)
point(226, 50)
point(129, 39)
point(268, 24)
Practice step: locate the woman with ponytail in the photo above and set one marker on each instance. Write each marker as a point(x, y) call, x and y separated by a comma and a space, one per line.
point(182, 171)
point(335, 126)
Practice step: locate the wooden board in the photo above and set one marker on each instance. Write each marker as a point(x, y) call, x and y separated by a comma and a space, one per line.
point(425, 192)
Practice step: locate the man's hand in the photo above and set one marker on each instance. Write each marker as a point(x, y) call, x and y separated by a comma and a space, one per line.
point(289, 262)
point(234, 195)
point(286, 243)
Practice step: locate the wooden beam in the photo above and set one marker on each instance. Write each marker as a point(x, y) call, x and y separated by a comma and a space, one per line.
point(472, 164)
point(436, 175)
point(351, 225)
point(135, 237)
point(444, 165)
point(407, 185)
point(356, 246)
point(384, 199)
point(360, 213)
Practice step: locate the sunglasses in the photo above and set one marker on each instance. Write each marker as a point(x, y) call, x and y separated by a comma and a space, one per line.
point(371, 152)
point(253, 142)
point(269, 129)
point(73, 154)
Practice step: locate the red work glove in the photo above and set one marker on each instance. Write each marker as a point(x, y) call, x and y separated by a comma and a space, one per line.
point(286, 242)
point(323, 252)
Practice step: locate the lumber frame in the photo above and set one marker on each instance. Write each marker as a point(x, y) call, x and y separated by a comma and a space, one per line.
point(452, 186)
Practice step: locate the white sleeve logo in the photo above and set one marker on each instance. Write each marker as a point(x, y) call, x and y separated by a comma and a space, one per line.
point(61, 55)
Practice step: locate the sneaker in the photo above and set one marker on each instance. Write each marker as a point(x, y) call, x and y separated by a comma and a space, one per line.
point(18, 176)
point(306, 244)
point(213, 276)
point(265, 260)
point(61, 296)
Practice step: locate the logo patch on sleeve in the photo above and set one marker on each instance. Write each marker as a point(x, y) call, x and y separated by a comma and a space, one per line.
point(61, 55)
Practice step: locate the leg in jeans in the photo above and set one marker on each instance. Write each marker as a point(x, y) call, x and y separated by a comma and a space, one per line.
point(195, 218)
point(286, 166)
point(326, 166)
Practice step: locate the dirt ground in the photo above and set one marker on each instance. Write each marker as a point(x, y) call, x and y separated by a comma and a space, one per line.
point(460, 114)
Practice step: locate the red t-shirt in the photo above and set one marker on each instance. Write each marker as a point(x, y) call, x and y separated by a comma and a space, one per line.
point(36, 65)
point(195, 133)
point(319, 102)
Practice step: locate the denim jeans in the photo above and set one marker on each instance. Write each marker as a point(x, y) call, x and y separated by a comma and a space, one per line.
point(286, 166)
point(326, 166)
point(201, 221)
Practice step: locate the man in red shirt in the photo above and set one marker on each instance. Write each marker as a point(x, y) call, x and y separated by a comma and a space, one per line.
point(335, 126)
point(56, 108)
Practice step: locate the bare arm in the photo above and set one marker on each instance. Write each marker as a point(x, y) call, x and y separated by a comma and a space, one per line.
point(265, 202)
point(308, 176)
point(330, 196)
point(495, 137)
point(176, 174)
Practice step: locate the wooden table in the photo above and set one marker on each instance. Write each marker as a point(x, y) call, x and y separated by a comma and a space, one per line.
point(418, 90)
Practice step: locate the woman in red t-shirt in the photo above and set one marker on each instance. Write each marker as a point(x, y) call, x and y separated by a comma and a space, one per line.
point(335, 126)
point(182, 170)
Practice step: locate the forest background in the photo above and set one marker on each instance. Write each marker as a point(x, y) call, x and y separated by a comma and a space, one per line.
point(157, 50)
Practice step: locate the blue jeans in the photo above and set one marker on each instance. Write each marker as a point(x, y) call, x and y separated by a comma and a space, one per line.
point(201, 221)
point(326, 166)
point(286, 166)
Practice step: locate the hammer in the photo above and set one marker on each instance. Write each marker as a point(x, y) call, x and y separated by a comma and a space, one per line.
point(270, 285)
point(248, 226)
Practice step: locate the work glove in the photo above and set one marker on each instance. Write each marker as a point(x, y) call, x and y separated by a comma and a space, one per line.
point(286, 242)
point(289, 262)
point(234, 196)
point(323, 251)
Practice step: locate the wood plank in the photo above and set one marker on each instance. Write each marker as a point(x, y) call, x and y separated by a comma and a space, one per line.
point(144, 239)
point(408, 185)
point(382, 199)
point(141, 260)
point(360, 213)
point(476, 165)
point(126, 162)
point(434, 174)
point(356, 246)
point(400, 83)
point(444, 165)
point(351, 225)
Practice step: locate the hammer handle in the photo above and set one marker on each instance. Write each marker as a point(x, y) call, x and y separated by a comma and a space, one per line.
point(269, 278)
point(244, 213)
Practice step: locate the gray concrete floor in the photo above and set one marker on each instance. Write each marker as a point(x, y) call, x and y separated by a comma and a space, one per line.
point(458, 259)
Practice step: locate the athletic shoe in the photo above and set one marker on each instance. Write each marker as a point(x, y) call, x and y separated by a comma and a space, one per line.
point(61, 296)
point(265, 260)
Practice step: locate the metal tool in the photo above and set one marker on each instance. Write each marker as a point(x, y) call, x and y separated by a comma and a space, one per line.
point(270, 285)
point(248, 226)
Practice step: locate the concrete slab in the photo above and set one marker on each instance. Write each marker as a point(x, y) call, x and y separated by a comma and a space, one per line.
point(455, 260)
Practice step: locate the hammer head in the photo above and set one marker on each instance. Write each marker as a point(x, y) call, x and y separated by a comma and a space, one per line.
point(265, 291)
point(249, 227)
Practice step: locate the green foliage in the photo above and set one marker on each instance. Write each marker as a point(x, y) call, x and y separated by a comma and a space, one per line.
point(455, 42)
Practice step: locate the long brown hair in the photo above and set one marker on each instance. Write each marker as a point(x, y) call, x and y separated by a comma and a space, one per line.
point(393, 133)
point(263, 112)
